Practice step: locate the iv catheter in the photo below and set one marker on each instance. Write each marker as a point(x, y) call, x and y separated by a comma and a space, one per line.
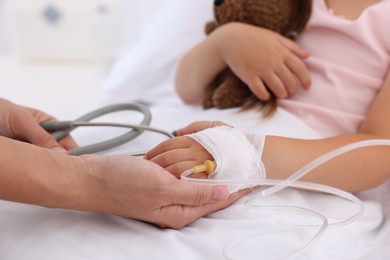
point(60, 129)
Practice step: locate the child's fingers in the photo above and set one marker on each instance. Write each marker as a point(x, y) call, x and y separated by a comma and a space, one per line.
point(258, 88)
point(195, 152)
point(171, 144)
point(198, 126)
point(276, 85)
point(169, 158)
point(194, 127)
point(295, 48)
point(299, 68)
point(288, 79)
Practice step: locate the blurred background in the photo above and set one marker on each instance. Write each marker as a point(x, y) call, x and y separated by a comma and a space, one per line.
point(72, 30)
point(53, 51)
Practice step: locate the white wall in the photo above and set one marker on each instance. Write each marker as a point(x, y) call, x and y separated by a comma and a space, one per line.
point(56, 87)
point(5, 44)
point(136, 15)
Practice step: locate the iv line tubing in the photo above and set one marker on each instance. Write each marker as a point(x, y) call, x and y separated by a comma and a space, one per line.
point(317, 236)
point(322, 159)
point(292, 182)
point(296, 184)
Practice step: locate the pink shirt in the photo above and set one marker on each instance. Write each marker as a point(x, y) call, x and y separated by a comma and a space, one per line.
point(348, 64)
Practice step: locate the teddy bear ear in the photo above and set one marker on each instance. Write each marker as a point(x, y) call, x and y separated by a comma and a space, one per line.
point(218, 2)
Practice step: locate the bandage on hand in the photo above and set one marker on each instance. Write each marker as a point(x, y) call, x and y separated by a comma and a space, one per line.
point(237, 155)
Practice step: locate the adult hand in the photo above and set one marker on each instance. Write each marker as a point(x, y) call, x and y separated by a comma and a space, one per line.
point(139, 189)
point(22, 123)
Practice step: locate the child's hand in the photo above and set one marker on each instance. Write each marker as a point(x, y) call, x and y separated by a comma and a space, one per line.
point(178, 154)
point(261, 57)
point(236, 154)
point(182, 153)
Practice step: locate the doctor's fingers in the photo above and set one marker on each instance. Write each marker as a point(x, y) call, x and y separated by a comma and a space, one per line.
point(29, 130)
point(43, 139)
point(191, 202)
point(68, 143)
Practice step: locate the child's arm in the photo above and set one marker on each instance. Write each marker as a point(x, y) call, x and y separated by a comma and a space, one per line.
point(258, 56)
point(357, 170)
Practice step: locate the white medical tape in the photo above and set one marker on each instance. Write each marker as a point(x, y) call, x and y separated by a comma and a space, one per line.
point(238, 156)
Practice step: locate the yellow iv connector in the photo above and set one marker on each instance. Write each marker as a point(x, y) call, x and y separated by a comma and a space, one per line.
point(208, 167)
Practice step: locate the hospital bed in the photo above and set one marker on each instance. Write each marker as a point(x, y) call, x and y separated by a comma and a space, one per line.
point(269, 228)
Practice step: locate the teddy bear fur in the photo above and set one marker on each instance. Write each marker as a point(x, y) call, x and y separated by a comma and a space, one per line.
point(286, 17)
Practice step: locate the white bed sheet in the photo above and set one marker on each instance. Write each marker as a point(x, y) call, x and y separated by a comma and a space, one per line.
point(31, 232)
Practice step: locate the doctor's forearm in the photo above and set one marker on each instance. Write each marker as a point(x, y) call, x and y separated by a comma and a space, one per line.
point(34, 175)
point(357, 170)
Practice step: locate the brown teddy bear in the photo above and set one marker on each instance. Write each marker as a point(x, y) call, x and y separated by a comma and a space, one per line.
point(287, 17)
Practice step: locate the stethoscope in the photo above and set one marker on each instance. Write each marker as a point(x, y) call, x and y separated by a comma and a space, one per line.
point(60, 129)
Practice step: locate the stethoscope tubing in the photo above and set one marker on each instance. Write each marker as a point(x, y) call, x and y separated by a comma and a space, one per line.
point(60, 129)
